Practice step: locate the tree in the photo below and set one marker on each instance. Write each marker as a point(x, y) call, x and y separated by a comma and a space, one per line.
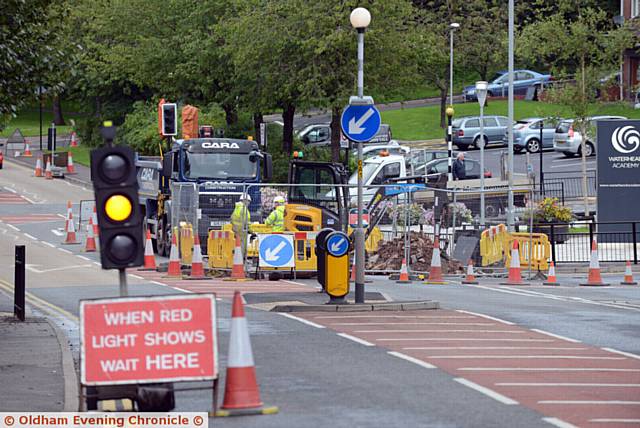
point(27, 53)
point(586, 48)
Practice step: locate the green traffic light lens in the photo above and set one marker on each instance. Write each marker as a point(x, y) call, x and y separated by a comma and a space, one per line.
point(114, 168)
point(121, 249)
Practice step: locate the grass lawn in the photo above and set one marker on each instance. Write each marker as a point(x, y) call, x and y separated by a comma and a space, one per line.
point(423, 123)
point(28, 121)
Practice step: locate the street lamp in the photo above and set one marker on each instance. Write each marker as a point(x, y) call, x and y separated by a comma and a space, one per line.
point(360, 19)
point(481, 93)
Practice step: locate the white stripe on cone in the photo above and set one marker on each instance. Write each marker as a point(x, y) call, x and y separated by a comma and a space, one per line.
point(148, 248)
point(173, 254)
point(593, 262)
point(435, 258)
point(515, 258)
point(240, 354)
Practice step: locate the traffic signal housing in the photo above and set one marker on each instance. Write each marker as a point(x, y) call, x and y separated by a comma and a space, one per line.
point(120, 222)
point(169, 119)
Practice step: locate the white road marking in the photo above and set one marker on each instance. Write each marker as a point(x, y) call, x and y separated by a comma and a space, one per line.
point(32, 269)
point(9, 189)
point(626, 354)
point(355, 339)
point(486, 391)
point(61, 216)
point(13, 227)
point(464, 339)
point(442, 331)
point(157, 283)
point(33, 238)
point(388, 316)
point(528, 348)
point(525, 357)
point(64, 250)
point(545, 369)
point(294, 282)
point(616, 421)
point(411, 323)
point(28, 199)
point(83, 257)
point(486, 316)
point(48, 244)
point(302, 320)
point(97, 263)
point(620, 402)
point(557, 336)
point(581, 385)
point(135, 276)
point(57, 232)
point(412, 360)
point(559, 423)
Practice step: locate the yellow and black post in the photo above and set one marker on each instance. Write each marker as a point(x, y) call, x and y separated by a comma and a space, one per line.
point(332, 250)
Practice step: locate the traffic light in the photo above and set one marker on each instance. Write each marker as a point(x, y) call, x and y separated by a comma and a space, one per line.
point(115, 185)
point(169, 119)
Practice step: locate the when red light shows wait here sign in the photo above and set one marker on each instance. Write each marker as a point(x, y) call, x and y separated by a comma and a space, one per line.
point(148, 339)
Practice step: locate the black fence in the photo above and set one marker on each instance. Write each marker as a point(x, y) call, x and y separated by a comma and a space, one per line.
point(571, 243)
point(571, 182)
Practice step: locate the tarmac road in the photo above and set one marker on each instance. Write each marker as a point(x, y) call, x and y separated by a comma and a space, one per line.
point(319, 378)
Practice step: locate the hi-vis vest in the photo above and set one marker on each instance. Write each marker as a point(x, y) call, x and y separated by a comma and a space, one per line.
point(236, 217)
point(276, 219)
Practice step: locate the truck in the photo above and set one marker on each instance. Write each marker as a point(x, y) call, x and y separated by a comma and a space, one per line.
point(220, 169)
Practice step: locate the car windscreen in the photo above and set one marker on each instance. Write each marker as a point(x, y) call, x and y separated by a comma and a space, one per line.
point(456, 123)
point(496, 76)
point(563, 127)
point(219, 166)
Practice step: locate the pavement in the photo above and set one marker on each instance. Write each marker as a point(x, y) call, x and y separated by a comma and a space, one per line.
point(36, 368)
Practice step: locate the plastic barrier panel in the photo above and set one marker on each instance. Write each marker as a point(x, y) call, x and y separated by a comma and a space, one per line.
point(220, 245)
point(536, 243)
point(186, 243)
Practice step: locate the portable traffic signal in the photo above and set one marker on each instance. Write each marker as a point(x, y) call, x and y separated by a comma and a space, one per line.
point(169, 119)
point(119, 219)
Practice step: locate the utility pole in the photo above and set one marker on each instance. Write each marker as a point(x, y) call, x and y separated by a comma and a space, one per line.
point(510, 213)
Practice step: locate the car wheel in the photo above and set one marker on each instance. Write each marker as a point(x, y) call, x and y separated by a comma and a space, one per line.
point(568, 154)
point(517, 149)
point(533, 145)
point(476, 142)
point(163, 243)
point(462, 146)
point(589, 149)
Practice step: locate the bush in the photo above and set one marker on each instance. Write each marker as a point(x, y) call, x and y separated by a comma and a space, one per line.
point(548, 211)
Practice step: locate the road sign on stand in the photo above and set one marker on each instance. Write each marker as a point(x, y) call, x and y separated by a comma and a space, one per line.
point(276, 250)
point(148, 339)
point(337, 244)
point(360, 122)
point(353, 218)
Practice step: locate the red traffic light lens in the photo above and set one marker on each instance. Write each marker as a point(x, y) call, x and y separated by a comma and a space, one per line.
point(121, 249)
point(114, 168)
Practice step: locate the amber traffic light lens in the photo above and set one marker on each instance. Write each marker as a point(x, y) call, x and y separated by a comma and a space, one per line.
point(118, 207)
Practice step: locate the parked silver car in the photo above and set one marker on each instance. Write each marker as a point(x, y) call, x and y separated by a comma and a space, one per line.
point(568, 140)
point(526, 134)
point(466, 131)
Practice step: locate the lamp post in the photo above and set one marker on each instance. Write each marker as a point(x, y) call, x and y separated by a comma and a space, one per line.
point(452, 28)
point(360, 19)
point(510, 213)
point(481, 93)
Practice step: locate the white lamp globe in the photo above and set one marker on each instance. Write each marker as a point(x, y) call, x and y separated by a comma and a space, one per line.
point(360, 18)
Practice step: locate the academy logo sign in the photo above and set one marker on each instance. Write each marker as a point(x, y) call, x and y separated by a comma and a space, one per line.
point(625, 139)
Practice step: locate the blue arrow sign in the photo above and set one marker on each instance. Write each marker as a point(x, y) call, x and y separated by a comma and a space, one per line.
point(360, 123)
point(337, 244)
point(276, 250)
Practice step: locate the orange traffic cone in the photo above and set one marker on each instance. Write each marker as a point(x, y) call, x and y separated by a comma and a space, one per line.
point(174, 259)
point(38, 171)
point(515, 276)
point(90, 246)
point(70, 168)
point(197, 268)
point(435, 272)
point(48, 174)
point(70, 229)
point(404, 273)
point(470, 278)
point(237, 270)
point(594, 278)
point(74, 139)
point(94, 217)
point(628, 275)
point(551, 278)
point(27, 151)
point(149, 257)
point(241, 392)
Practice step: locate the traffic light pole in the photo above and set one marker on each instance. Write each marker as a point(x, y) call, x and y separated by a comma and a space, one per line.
point(122, 277)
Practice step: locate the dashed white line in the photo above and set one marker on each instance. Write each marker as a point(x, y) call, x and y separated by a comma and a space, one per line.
point(28, 199)
point(443, 331)
point(559, 423)
point(33, 238)
point(580, 385)
point(390, 316)
point(557, 336)
point(64, 250)
point(355, 339)
point(486, 316)
point(157, 283)
point(462, 339)
point(83, 257)
point(512, 348)
point(486, 391)
point(302, 320)
point(412, 360)
point(97, 263)
point(57, 232)
point(616, 421)
point(626, 354)
point(411, 323)
point(525, 357)
point(13, 227)
point(48, 244)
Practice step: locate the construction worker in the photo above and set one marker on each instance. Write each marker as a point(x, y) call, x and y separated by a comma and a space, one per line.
point(240, 218)
point(276, 218)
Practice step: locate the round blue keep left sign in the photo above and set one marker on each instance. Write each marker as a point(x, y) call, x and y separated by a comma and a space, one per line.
point(276, 250)
point(360, 122)
point(337, 244)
